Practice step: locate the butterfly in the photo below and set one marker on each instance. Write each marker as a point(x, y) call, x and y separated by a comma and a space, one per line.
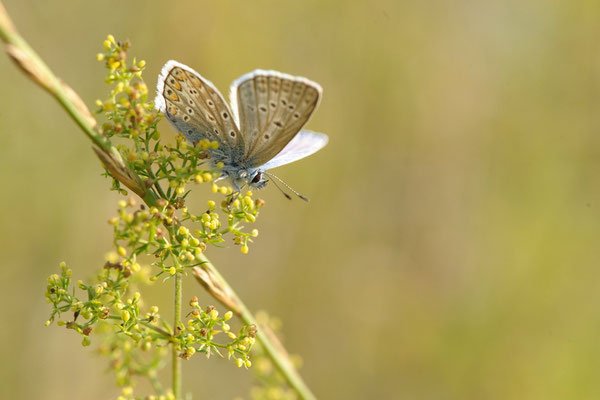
point(261, 130)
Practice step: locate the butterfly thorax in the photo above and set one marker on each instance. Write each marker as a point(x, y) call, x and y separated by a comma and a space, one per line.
point(241, 175)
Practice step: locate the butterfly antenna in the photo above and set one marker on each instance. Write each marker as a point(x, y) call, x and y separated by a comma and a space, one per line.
point(287, 186)
point(287, 196)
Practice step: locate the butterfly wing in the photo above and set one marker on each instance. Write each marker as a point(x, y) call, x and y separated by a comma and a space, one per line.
point(271, 109)
point(302, 145)
point(194, 106)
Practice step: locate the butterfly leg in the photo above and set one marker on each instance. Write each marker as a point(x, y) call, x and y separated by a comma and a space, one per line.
point(220, 178)
point(234, 195)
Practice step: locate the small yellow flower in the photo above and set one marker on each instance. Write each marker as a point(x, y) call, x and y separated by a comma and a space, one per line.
point(172, 270)
point(244, 249)
point(228, 315)
point(121, 251)
point(220, 164)
point(214, 314)
point(239, 362)
point(110, 38)
point(215, 188)
point(99, 57)
point(183, 231)
point(198, 178)
point(125, 316)
point(248, 363)
point(142, 64)
point(142, 86)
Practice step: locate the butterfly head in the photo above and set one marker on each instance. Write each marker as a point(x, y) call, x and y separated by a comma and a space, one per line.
point(257, 180)
point(253, 177)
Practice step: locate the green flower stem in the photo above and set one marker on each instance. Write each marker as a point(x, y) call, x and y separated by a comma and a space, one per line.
point(166, 334)
point(176, 325)
point(26, 58)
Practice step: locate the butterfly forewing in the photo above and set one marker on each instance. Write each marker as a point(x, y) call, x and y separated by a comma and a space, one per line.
point(272, 108)
point(196, 108)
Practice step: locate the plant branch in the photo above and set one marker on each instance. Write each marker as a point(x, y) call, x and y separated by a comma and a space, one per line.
point(176, 326)
point(166, 334)
point(33, 66)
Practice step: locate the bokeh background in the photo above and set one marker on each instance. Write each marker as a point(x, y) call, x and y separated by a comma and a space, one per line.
point(450, 250)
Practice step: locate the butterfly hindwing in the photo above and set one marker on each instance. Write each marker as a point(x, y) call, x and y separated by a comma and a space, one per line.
point(302, 145)
point(272, 108)
point(196, 108)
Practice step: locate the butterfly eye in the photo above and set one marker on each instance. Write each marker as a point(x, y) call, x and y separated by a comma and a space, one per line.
point(256, 178)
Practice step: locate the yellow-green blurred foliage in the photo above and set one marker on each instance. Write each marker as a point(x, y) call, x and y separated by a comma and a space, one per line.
point(450, 250)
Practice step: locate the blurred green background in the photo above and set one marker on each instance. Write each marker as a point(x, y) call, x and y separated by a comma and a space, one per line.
point(450, 250)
